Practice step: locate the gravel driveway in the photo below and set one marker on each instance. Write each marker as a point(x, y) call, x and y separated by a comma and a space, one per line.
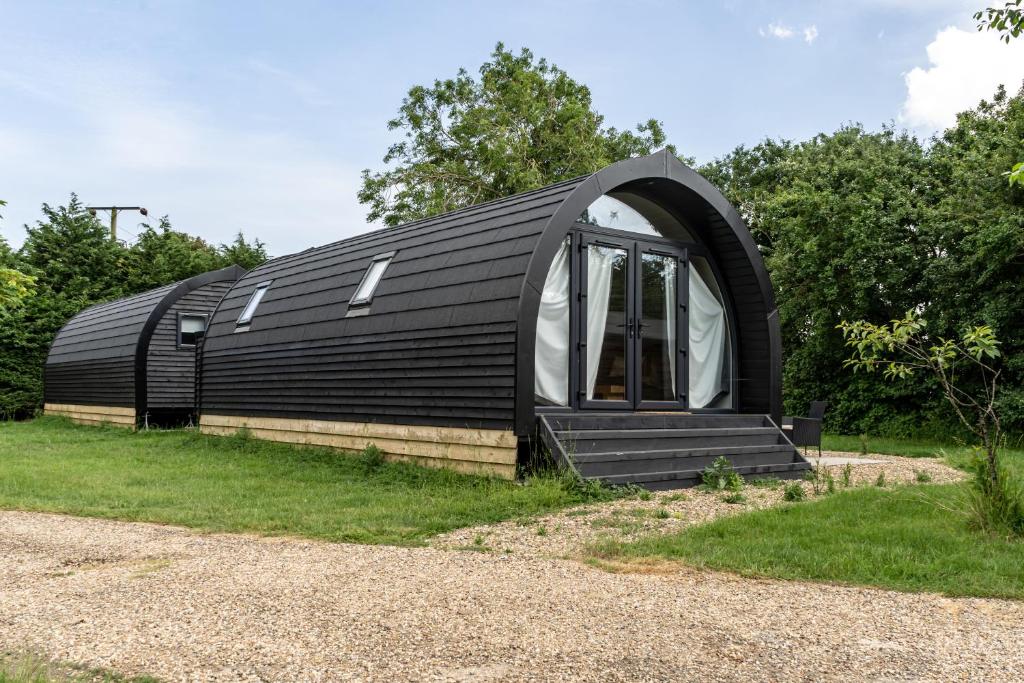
point(141, 598)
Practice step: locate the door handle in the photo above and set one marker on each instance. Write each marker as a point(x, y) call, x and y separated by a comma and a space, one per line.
point(630, 327)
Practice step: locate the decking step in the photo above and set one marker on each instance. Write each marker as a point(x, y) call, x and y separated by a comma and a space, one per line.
point(681, 478)
point(597, 440)
point(591, 464)
point(667, 450)
point(638, 421)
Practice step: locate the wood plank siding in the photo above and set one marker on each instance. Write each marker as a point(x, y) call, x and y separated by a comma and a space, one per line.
point(436, 346)
point(170, 369)
point(100, 356)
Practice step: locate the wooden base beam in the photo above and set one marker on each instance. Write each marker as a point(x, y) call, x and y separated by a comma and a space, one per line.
point(473, 451)
point(117, 416)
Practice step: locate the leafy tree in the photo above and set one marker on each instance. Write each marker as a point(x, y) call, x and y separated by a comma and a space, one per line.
point(975, 232)
point(523, 124)
point(243, 253)
point(14, 285)
point(748, 177)
point(1008, 20)
point(161, 255)
point(837, 218)
point(902, 348)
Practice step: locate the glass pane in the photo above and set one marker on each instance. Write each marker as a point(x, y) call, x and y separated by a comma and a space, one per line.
point(370, 280)
point(608, 212)
point(658, 328)
point(250, 308)
point(193, 323)
point(607, 287)
point(709, 357)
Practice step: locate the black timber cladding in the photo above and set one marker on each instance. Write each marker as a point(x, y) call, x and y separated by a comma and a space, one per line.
point(449, 335)
point(437, 345)
point(170, 369)
point(99, 356)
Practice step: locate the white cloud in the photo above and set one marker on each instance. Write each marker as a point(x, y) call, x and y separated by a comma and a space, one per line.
point(779, 30)
point(964, 68)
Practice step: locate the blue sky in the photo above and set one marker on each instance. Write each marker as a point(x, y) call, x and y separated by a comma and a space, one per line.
point(259, 116)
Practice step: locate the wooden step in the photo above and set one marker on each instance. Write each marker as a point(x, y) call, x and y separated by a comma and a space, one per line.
point(643, 421)
point(604, 440)
point(673, 479)
point(601, 464)
point(667, 450)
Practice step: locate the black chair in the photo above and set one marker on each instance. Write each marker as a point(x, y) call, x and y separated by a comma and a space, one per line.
point(806, 431)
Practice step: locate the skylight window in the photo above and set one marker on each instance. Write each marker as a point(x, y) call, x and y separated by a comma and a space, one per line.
point(254, 301)
point(372, 278)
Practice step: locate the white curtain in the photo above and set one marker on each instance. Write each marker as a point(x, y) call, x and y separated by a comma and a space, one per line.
point(670, 320)
point(599, 287)
point(551, 350)
point(707, 342)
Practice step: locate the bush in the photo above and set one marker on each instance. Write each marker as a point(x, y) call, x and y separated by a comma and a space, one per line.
point(794, 492)
point(995, 503)
point(371, 459)
point(720, 476)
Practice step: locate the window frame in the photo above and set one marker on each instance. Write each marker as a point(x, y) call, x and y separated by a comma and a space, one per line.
point(261, 291)
point(191, 314)
point(365, 301)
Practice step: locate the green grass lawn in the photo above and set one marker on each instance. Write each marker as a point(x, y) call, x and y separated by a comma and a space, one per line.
point(956, 454)
point(910, 538)
point(903, 539)
point(245, 485)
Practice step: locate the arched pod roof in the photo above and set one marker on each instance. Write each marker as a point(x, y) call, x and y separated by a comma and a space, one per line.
point(664, 179)
point(449, 334)
point(99, 356)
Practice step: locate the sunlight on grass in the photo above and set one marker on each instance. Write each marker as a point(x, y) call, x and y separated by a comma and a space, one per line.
point(230, 484)
point(911, 538)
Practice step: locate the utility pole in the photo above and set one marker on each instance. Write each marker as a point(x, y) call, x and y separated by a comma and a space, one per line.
point(113, 215)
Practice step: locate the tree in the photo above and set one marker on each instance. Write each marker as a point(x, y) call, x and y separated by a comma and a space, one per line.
point(243, 253)
point(1008, 20)
point(161, 255)
point(902, 348)
point(974, 228)
point(837, 219)
point(14, 285)
point(522, 125)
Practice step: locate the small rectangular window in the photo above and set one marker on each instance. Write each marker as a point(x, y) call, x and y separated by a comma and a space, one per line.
point(372, 278)
point(254, 301)
point(191, 328)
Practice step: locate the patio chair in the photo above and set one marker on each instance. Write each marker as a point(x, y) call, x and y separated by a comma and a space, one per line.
point(806, 431)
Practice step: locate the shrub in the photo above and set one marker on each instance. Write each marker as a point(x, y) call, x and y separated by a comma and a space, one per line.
point(371, 459)
point(995, 500)
point(880, 482)
point(922, 477)
point(847, 475)
point(720, 476)
point(794, 492)
point(734, 498)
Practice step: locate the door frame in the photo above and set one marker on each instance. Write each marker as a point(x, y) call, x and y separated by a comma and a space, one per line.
point(636, 247)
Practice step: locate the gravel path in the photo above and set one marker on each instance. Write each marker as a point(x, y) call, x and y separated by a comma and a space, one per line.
point(141, 598)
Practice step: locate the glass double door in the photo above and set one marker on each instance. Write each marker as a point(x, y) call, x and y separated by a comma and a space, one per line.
point(632, 325)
